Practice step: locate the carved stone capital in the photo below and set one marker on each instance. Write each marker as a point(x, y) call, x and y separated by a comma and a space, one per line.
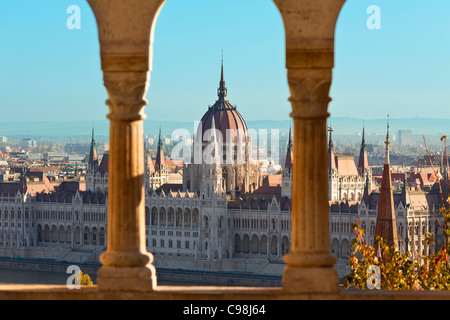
point(310, 95)
point(126, 91)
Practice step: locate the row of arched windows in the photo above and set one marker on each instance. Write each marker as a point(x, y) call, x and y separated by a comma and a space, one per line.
point(61, 235)
point(96, 216)
point(171, 217)
point(257, 245)
point(5, 214)
point(344, 227)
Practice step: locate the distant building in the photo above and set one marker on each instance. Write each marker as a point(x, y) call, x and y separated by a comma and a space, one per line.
point(404, 138)
point(219, 217)
point(403, 217)
point(346, 181)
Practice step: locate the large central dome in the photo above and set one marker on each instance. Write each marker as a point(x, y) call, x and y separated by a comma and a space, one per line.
point(225, 117)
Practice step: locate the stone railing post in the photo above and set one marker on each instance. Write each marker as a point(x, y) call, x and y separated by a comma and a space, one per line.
point(309, 28)
point(126, 36)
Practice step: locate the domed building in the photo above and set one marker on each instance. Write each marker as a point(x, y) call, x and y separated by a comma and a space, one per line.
point(221, 161)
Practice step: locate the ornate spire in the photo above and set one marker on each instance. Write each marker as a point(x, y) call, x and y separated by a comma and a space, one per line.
point(93, 158)
point(363, 162)
point(222, 91)
point(386, 226)
point(331, 156)
point(159, 154)
point(288, 163)
point(387, 142)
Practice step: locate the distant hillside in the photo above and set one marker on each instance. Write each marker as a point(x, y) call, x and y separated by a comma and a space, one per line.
point(341, 127)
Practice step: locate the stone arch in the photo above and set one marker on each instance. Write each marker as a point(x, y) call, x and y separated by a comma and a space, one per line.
point(154, 216)
point(254, 244)
point(335, 247)
point(147, 216)
point(40, 234)
point(94, 236)
point(309, 55)
point(274, 245)
point(246, 244)
point(69, 234)
point(263, 245)
point(86, 236)
point(53, 234)
point(195, 217)
point(237, 243)
point(187, 217)
point(162, 216)
point(345, 248)
point(179, 217)
point(61, 235)
point(102, 237)
point(77, 235)
point(284, 245)
point(170, 217)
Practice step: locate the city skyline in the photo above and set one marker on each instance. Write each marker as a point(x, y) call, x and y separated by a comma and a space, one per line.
point(399, 69)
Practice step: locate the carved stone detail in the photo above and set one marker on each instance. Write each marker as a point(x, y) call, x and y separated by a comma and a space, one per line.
point(126, 93)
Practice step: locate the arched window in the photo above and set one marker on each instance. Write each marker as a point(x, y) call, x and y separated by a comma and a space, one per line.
point(162, 216)
point(187, 217)
point(195, 217)
point(154, 217)
point(246, 244)
point(147, 216)
point(170, 216)
point(102, 237)
point(255, 244)
point(179, 217)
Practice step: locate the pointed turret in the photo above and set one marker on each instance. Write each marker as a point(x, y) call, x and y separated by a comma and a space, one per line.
point(363, 163)
point(93, 158)
point(222, 90)
point(386, 226)
point(160, 161)
point(331, 155)
point(366, 194)
point(288, 163)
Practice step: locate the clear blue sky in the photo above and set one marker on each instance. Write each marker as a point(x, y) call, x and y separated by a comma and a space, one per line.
point(48, 72)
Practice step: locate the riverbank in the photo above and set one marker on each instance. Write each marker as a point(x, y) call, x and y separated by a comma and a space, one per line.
point(48, 267)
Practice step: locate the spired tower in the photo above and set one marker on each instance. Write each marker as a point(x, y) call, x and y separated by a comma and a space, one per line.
point(157, 174)
point(232, 153)
point(97, 173)
point(286, 177)
point(333, 175)
point(346, 181)
point(363, 164)
point(386, 226)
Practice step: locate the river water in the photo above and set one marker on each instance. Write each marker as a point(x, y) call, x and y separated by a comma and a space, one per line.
point(32, 276)
point(46, 277)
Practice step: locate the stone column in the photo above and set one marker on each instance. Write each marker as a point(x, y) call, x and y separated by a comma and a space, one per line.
point(310, 263)
point(126, 263)
point(126, 36)
point(309, 28)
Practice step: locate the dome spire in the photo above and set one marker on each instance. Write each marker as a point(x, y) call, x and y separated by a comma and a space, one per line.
point(222, 91)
